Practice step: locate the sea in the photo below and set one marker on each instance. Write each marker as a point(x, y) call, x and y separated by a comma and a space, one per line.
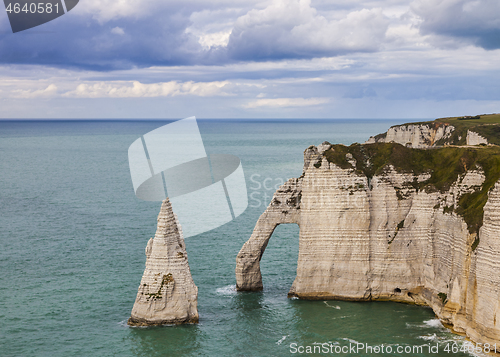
point(73, 234)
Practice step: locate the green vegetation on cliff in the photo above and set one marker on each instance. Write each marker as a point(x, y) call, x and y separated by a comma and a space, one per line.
point(445, 165)
point(486, 125)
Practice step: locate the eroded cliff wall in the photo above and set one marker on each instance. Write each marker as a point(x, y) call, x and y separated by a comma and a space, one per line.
point(427, 135)
point(383, 237)
point(415, 135)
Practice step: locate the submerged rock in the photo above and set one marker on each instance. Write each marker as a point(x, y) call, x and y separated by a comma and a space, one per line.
point(167, 293)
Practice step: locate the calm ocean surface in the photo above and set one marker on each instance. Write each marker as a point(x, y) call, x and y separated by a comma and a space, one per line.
point(73, 234)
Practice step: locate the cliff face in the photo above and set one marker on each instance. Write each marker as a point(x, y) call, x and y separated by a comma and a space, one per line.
point(474, 138)
point(167, 293)
point(384, 233)
point(469, 130)
point(480, 318)
point(416, 136)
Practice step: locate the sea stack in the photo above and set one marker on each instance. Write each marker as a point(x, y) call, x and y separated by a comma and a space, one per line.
point(167, 293)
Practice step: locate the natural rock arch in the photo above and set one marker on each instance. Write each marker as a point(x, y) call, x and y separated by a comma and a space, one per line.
point(284, 208)
point(387, 239)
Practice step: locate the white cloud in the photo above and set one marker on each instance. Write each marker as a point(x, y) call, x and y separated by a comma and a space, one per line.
point(293, 28)
point(135, 89)
point(213, 27)
point(286, 102)
point(50, 91)
point(360, 30)
point(214, 39)
point(118, 31)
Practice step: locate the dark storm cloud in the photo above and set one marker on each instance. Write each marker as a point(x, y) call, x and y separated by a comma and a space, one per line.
point(83, 41)
point(476, 22)
point(282, 30)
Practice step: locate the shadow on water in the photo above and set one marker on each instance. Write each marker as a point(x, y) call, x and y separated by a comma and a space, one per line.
point(389, 324)
point(181, 340)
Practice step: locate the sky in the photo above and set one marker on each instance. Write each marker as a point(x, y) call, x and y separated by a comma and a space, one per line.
point(255, 59)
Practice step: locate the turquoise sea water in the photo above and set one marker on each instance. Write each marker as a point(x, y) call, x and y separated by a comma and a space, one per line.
point(72, 238)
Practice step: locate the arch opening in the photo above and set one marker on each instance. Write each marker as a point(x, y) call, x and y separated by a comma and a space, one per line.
point(279, 262)
point(284, 208)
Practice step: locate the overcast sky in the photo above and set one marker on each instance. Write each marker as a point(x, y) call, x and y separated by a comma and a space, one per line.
point(255, 59)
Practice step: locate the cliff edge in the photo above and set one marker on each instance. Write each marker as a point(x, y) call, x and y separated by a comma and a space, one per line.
point(167, 293)
point(382, 221)
point(475, 130)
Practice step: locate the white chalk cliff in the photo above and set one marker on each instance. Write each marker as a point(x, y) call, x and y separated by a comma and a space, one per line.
point(414, 135)
point(474, 138)
point(381, 238)
point(422, 136)
point(167, 293)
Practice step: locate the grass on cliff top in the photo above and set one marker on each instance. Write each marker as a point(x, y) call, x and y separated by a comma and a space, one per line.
point(444, 164)
point(486, 125)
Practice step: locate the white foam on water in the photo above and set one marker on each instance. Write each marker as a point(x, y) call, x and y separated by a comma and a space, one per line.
point(434, 323)
point(282, 339)
point(448, 339)
point(123, 323)
point(350, 340)
point(334, 307)
point(226, 290)
point(343, 317)
point(432, 337)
